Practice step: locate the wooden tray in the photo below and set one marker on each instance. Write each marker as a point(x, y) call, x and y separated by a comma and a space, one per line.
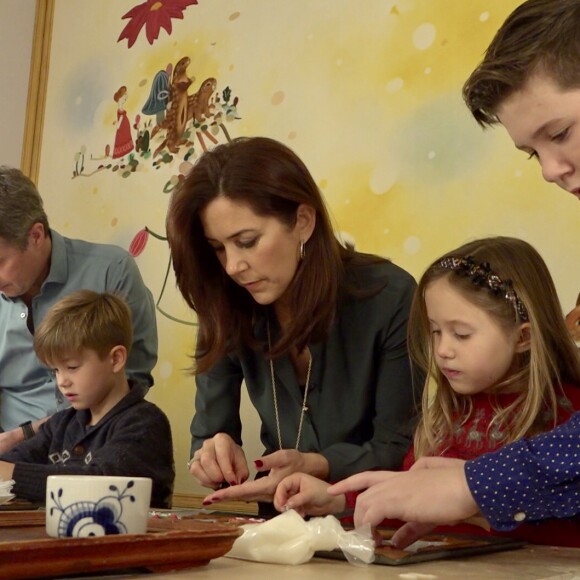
point(20, 517)
point(27, 552)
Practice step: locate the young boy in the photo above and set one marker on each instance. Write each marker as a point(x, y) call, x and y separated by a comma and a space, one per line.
point(110, 428)
point(529, 81)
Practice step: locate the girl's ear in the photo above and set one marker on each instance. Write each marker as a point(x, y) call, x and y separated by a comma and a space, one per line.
point(525, 338)
point(305, 221)
point(118, 356)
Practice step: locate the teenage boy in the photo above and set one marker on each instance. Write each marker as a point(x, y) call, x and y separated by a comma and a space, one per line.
point(529, 81)
point(110, 429)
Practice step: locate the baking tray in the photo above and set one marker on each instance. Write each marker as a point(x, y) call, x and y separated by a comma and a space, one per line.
point(27, 552)
point(433, 547)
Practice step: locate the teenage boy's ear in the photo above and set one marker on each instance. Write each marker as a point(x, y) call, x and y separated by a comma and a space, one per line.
point(118, 357)
point(525, 338)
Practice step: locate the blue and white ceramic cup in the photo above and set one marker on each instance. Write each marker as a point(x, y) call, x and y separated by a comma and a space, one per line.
point(81, 506)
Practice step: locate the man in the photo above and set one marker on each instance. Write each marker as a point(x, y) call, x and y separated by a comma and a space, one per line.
point(38, 266)
point(529, 81)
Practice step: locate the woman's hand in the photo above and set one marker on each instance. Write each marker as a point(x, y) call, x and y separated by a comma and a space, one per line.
point(279, 464)
point(307, 495)
point(219, 459)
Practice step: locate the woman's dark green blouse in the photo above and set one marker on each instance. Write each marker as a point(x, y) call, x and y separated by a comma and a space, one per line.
point(361, 403)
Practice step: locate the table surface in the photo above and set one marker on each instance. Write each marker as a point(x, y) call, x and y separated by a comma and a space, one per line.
point(529, 562)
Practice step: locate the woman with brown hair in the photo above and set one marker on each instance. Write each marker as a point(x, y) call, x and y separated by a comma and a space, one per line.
point(317, 331)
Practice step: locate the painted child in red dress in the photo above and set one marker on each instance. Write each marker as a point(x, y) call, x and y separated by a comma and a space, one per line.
point(487, 328)
point(123, 138)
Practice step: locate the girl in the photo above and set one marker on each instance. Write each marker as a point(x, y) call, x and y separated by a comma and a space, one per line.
point(487, 327)
point(316, 331)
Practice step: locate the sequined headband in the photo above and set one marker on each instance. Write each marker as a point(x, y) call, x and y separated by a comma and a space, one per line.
point(482, 275)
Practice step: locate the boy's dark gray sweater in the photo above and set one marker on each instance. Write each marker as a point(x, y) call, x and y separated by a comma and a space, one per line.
point(133, 438)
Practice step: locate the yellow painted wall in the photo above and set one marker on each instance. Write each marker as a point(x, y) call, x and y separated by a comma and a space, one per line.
point(367, 93)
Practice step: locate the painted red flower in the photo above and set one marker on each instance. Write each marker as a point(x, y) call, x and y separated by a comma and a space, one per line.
point(154, 15)
point(139, 242)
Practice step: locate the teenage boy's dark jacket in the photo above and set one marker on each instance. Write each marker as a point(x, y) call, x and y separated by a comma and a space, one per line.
point(133, 438)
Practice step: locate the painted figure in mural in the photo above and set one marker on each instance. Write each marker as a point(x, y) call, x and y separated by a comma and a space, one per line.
point(198, 105)
point(487, 329)
point(38, 266)
point(176, 117)
point(180, 115)
point(86, 338)
point(317, 331)
point(123, 138)
point(529, 81)
point(159, 96)
point(184, 108)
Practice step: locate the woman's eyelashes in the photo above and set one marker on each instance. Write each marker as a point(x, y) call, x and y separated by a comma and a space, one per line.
point(242, 244)
point(246, 244)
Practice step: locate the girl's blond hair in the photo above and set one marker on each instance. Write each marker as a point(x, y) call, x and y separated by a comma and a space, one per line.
point(539, 372)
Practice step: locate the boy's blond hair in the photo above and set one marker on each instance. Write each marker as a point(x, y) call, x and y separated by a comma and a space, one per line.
point(84, 320)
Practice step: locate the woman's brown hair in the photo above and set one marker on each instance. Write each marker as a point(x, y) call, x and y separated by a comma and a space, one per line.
point(272, 180)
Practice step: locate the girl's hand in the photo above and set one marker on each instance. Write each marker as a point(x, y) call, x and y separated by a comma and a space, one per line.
point(279, 464)
point(409, 533)
point(307, 495)
point(219, 459)
point(424, 495)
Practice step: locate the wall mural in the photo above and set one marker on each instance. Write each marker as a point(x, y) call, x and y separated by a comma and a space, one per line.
point(368, 94)
point(174, 125)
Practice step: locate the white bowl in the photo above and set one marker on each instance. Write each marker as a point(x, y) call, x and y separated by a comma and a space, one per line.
point(80, 506)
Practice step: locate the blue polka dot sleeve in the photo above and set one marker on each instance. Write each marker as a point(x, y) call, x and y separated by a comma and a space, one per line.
point(529, 480)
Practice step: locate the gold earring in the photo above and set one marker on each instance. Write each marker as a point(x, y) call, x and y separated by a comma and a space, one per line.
point(302, 249)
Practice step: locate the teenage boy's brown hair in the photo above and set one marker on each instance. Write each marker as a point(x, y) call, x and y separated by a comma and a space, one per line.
point(538, 36)
point(84, 320)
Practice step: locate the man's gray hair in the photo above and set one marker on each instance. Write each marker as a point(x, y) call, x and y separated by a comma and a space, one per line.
point(20, 207)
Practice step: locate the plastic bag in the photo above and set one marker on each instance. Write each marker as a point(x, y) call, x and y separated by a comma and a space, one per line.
point(289, 539)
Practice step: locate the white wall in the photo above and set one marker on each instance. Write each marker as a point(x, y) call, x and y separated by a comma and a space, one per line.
point(16, 32)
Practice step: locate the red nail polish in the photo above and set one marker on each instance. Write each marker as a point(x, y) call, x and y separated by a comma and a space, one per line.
point(233, 483)
point(206, 502)
point(258, 463)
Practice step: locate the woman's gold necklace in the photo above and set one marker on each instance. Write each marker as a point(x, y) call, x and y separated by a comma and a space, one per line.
point(274, 393)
